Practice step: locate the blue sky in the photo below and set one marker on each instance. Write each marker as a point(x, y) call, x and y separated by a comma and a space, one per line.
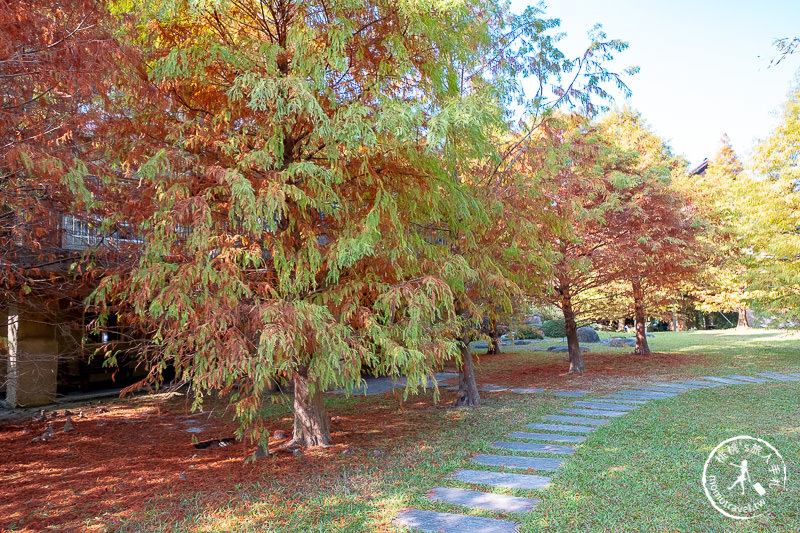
point(703, 64)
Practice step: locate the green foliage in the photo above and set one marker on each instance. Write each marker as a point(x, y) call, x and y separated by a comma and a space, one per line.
point(554, 328)
point(529, 332)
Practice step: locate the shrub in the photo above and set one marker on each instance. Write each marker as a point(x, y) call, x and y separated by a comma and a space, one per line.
point(554, 328)
point(529, 332)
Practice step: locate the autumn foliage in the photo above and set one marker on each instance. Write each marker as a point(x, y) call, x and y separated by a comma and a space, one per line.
point(283, 195)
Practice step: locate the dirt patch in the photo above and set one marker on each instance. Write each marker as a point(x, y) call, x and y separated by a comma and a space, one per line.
point(121, 459)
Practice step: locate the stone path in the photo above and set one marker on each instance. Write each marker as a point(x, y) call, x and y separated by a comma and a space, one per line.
point(534, 447)
point(483, 500)
point(372, 386)
point(576, 420)
point(571, 425)
point(554, 437)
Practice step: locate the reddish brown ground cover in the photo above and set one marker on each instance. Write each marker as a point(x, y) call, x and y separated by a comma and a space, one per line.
point(124, 457)
point(128, 456)
point(604, 371)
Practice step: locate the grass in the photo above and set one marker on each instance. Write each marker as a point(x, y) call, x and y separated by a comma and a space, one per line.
point(642, 472)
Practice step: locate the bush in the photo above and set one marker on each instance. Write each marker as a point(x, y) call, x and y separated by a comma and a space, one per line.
point(554, 328)
point(529, 332)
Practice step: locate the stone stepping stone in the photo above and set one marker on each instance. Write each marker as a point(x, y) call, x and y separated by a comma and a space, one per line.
point(555, 437)
point(529, 447)
point(700, 383)
point(663, 393)
point(674, 386)
point(527, 391)
point(620, 401)
point(749, 379)
point(448, 522)
point(507, 480)
point(582, 420)
point(601, 405)
point(628, 397)
point(492, 388)
point(660, 390)
point(779, 377)
point(515, 461)
point(571, 393)
point(489, 501)
point(561, 427)
point(724, 381)
point(593, 412)
point(643, 394)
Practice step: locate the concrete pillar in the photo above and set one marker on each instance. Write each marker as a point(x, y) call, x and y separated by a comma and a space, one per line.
point(32, 366)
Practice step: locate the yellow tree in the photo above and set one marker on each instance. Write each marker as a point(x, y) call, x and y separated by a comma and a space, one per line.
point(771, 204)
point(722, 285)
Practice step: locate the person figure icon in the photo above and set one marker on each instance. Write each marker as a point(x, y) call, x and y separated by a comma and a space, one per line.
point(744, 474)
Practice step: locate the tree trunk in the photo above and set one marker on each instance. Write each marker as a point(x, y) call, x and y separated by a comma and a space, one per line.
point(641, 321)
point(742, 324)
point(467, 387)
point(575, 357)
point(621, 324)
point(311, 422)
point(494, 345)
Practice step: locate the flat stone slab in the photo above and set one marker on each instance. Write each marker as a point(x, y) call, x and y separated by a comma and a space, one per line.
point(483, 500)
point(648, 394)
point(555, 437)
point(779, 377)
point(527, 391)
point(628, 397)
point(530, 447)
point(603, 405)
point(621, 401)
point(515, 461)
point(674, 386)
point(571, 393)
point(372, 386)
point(492, 388)
point(506, 480)
point(660, 390)
point(564, 349)
point(592, 412)
point(448, 522)
point(582, 420)
point(749, 379)
point(724, 381)
point(561, 427)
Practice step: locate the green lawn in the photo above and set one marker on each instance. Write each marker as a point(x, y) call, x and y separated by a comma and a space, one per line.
point(644, 472)
point(640, 473)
